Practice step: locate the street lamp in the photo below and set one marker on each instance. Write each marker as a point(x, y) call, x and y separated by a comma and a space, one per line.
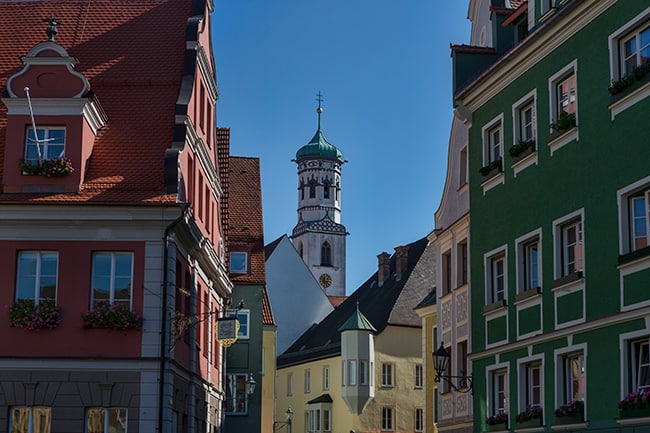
point(289, 415)
point(250, 385)
point(440, 361)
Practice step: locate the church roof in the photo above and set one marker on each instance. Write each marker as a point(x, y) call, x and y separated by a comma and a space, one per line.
point(380, 306)
point(325, 225)
point(319, 147)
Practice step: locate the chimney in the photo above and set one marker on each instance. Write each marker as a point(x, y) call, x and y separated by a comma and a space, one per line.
point(401, 261)
point(384, 268)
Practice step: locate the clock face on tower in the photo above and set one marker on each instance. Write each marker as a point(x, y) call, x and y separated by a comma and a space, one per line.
point(325, 280)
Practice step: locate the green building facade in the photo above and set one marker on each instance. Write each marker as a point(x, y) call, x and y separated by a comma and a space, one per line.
point(558, 104)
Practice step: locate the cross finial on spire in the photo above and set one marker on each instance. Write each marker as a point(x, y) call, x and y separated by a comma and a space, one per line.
point(51, 30)
point(319, 110)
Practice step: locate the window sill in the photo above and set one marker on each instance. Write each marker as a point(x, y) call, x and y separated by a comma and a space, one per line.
point(528, 294)
point(495, 306)
point(491, 180)
point(628, 258)
point(629, 96)
point(567, 280)
point(523, 161)
point(558, 139)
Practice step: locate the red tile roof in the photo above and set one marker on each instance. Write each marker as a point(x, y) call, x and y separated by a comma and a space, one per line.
point(267, 314)
point(336, 300)
point(245, 226)
point(132, 53)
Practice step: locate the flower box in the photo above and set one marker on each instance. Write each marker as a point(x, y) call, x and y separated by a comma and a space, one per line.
point(521, 151)
point(25, 314)
point(115, 317)
point(570, 413)
point(496, 427)
point(491, 170)
point(496, 422)
point(566, 420)
point(55, 167)
point(636, 412)
point(627, 84)
point(535, 422)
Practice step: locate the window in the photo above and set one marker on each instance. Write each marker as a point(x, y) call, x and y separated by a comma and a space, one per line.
point(326, 188)
point(326, 254)
point(50, 144)
point(640, 365)
point(352, 372)
point(462, 263)
point(446, 272)
point(387, 419)
point(418, 376)
point(635, 49)
point(533, 384)
point(326, 378)
point(236, 397)
point(529, 262)
point(419, 419)
point(524, 118)
point(244, 319)
point(462, 169)
point(571, 247)
point(445, 386)
point(312, 188)
point(27, 419)
point(327, 420)
point(363, 372)
point(498, 392)
point(639, 210)
point(573, 377)
point(307, 381)
point(566, 95)
point(492, 143)
point(386, 375)
point(112, 278)
point(545, 6)
point(290, 384)
point(496, 278)
point(37, 276)
point(461, 353)
point(106, 420)
point(238, 262)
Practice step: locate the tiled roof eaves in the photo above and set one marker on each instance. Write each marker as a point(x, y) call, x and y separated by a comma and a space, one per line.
point(534, 34)
point(462, 48)
point(267, 311)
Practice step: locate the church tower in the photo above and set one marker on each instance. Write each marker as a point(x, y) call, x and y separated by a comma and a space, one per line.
point(319, 235)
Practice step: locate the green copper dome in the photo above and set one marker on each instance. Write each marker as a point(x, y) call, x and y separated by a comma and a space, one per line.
point(319, 147)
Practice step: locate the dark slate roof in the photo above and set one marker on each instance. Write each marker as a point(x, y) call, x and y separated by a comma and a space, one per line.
point(430, 299)
point(323, 340)
point(270, 247)
point(324, 398)
point(325, 225)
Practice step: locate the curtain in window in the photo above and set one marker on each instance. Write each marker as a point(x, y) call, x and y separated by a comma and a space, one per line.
point(20, 420)
point(41, 420)
point(95, 420)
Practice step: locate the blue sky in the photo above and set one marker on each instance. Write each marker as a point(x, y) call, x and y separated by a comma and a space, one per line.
point(384, 69)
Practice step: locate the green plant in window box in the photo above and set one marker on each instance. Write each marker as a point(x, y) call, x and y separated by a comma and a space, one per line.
point(115, 317)
point(532, 415)
point(635, 404)
point(571, 412)
point(637, 74)
point(55, 167)
point(521, 147)
point(25, 314)
point(485, 170)
point(565, 122)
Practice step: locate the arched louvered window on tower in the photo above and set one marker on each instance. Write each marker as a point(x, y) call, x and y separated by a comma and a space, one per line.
point(302, 190)
point(326, 189)
point(326, 254)
point(312, 188)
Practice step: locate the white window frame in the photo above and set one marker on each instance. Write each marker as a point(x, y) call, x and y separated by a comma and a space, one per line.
point(419, 419)
point(106, 413)
point(387, 419)
point(387, 378)
point(490, 260)
point(525, 393)
point(419, 375)
point(527, 101)
point(38, 276)
point(562, 387)
point(44, 143)
point(524, 263)
point(363, 372)
point(238, 393)
point(307, 381)
point(112, 276)
point(352, 372)
point(639, 364)
point(570, 69)
point(616, 40)
point(244, 318)
point(489, 145)
point(238, 269)
point(494, 372)
point(625, 219)
point(326, 378)
point(629, 374)
point(560, 226)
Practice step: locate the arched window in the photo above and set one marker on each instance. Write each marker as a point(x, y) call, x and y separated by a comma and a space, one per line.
point(326, 254)
point(326, 188)
point(312, 188)
point(302, 190)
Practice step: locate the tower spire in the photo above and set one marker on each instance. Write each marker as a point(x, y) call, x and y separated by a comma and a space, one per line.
point(319, 110)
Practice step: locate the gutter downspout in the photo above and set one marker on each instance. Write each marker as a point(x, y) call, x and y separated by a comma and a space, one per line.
point(163, 321)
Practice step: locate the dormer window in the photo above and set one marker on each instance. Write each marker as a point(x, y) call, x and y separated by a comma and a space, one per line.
point(50, 144)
